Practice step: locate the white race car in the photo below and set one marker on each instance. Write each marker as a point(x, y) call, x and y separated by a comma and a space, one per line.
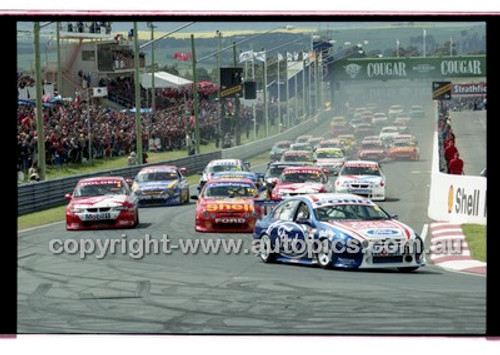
point(363, 178)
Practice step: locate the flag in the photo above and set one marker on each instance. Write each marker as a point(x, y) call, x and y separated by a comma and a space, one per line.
point(280, 56)
point(244, 56)
point(261, 56)
point(183, 56)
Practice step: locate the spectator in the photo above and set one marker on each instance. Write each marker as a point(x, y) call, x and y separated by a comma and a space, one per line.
point(131, 34)
point(456, 165)
point(33, 173)
point(132, 159)
point(449, 152)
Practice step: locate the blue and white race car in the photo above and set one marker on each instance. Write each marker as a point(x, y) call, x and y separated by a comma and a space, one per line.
point(339, 231)
point(161, 185)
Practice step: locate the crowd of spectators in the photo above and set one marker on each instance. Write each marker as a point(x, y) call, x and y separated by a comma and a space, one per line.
point(112, 132)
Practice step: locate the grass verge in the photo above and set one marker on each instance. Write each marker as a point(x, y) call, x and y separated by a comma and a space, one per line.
point(475, 235)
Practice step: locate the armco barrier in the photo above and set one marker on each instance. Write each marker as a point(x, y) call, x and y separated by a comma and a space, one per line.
point(38, 196)
point(455, 198)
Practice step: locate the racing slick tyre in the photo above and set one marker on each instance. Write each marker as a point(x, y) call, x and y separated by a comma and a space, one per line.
point(265, 253)
point(136, 219)
point(408, 269)
point(325, 258)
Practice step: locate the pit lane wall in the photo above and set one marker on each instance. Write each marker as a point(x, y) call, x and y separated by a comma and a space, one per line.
point(455, 198)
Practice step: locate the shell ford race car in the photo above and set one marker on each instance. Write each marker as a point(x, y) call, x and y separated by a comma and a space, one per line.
point(363, 178)
point(403, 149)
point(221, 165)
point(301, 180)
point(337, 230)
point(101, 202)
point(161, 185)
point(226, 205)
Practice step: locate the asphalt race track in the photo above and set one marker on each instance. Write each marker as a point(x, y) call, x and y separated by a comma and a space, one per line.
point(237, 293)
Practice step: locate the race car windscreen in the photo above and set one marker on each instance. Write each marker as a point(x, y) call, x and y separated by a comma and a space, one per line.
point(301, 157)
point(403, 144)
point(100, 189)
point(360, 170)
point(220, 168)
point(274, 172)
point(329, 155)
point(157, 176)
point(367, 145)
point(351, 212)
point(301, 177)
point(229, 190)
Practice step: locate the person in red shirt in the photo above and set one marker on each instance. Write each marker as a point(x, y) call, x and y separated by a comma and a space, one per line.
point(449, 152)
point(456, 165)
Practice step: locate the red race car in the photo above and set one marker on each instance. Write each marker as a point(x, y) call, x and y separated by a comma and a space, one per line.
point(403, 149)
point(102, 202)
point(299, 181)
point(227, 205)
point(371, 149)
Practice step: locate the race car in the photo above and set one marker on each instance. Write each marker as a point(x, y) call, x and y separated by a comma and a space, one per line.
point(379, 119)
point(403, 149)
point(314, 142)
point(101, 202)
point(256, 178)
point(363, 178)
point(349, 143)
point(387, 134)
point(371, 149)
point(273, 172)
point(301, 146)
point(161, 185)
point(301, 180)
point(303, 138)
point(337, 231)
point(302, 156)
point(394, 110)
point(417, 111)
point(219, 165)
point(363, 130)
point(278, 149)
point(330, 143)
point(330, 159)
point(226, 205)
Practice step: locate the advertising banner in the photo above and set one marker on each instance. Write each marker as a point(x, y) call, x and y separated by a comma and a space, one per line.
point(409, 68)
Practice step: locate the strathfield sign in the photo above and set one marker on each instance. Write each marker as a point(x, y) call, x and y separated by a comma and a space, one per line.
point(409, 68)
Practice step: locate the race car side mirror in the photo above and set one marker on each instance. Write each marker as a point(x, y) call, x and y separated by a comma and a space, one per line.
point(326, 170)
point(68, 196)
point(394, 216)
point(183, 171)
point(194, 197)
point(247, 164)
point(129, 181)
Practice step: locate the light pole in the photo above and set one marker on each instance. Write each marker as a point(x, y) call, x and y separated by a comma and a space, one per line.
point(138, 127)
point(153, 90)
point(39, 106)
point(59, 65)
point(195, 98)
